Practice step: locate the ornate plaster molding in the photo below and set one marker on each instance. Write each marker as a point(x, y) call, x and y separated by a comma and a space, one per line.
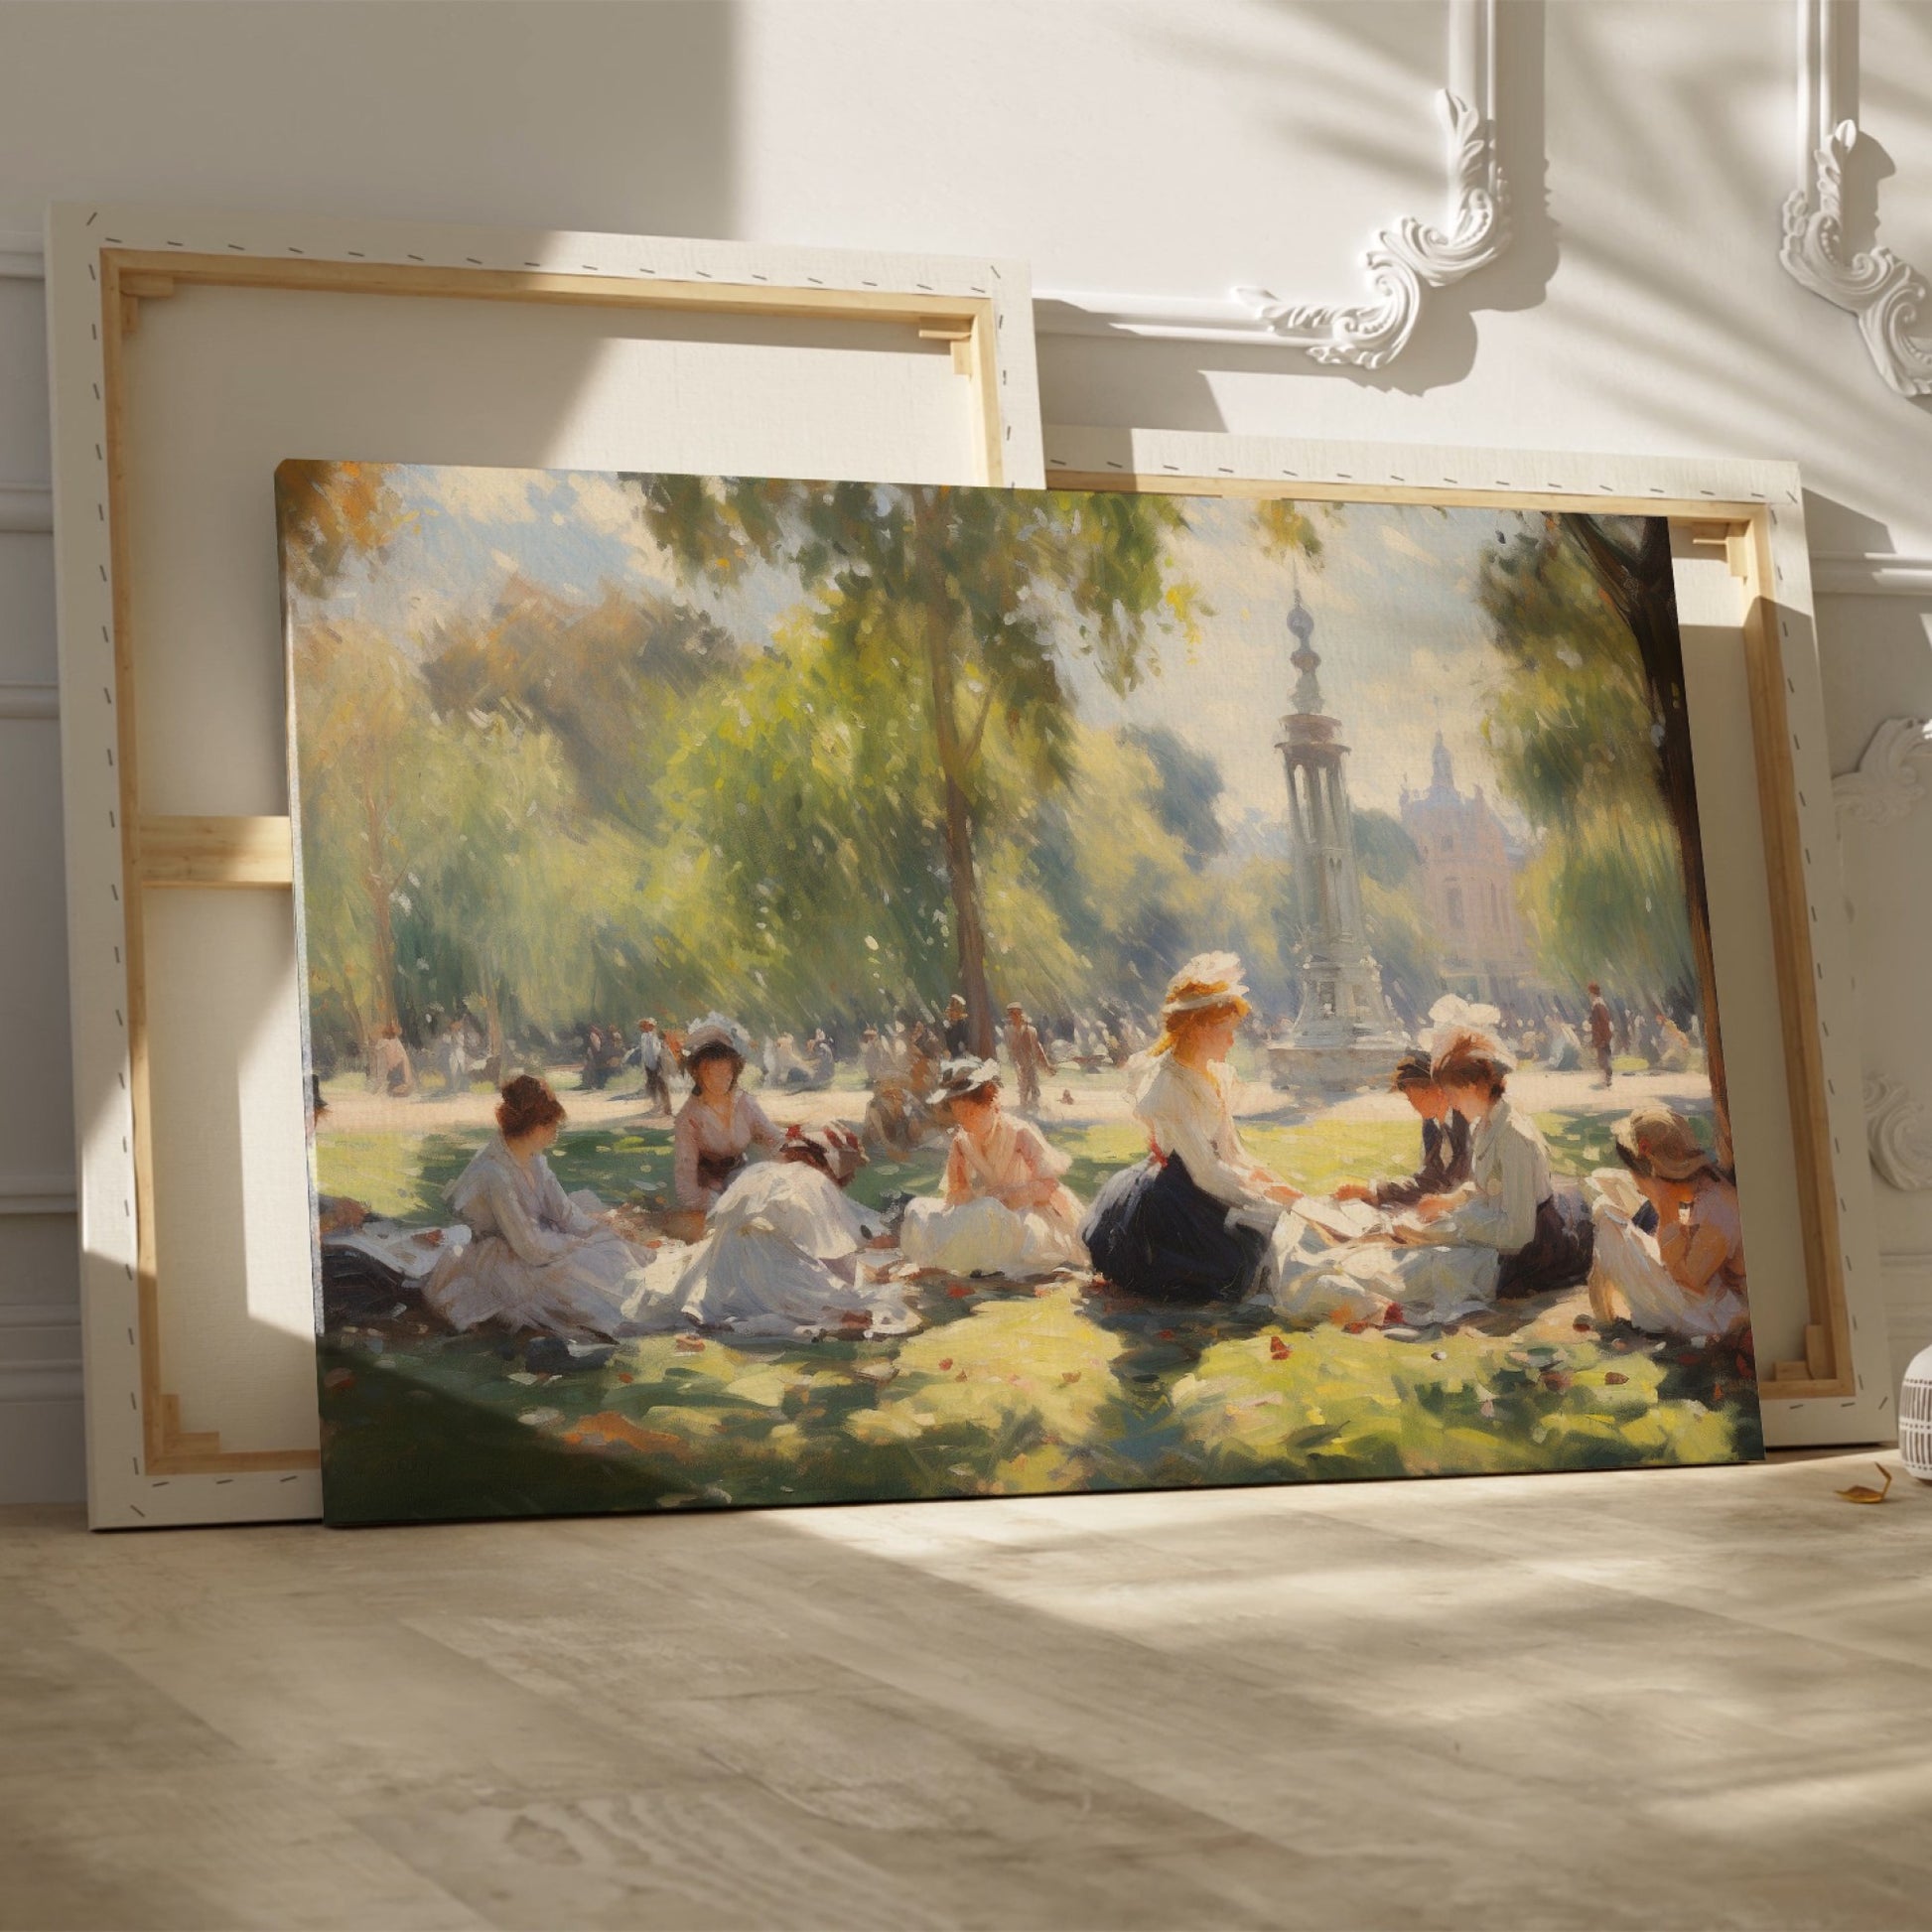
point(1887, 784)
point(1886, 787)
point(1898, 1131)
point(1406, 262)
point(1888, 295)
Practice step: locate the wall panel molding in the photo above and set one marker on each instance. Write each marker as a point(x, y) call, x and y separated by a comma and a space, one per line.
point(40, 1351)
point(36, 701)
point(22, 258)
point(38, 1193)
point(27, 508)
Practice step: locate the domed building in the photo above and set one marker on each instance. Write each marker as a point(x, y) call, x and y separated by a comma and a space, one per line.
point(1469, 884)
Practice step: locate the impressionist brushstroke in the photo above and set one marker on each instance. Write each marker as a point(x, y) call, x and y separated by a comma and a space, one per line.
point(836, 856)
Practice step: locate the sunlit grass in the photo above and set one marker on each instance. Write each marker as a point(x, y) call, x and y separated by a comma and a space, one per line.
point(1006, 1390)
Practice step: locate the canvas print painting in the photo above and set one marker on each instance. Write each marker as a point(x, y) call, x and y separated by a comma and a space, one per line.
point(827, 991)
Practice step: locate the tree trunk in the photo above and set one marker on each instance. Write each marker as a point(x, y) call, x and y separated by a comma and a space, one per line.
point(1641, 590)
point(955, 760)
point(375, 878)
point(493, 1034)
point(963, 875)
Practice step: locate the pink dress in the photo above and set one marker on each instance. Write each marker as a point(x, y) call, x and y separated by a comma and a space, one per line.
point(706, 1152)
point(975, 1230)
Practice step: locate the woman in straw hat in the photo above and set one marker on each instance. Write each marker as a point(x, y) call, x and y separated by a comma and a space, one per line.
point(1191, 1223)
point(1689, 1278)
point(1004, 1210)
point(780, 1258)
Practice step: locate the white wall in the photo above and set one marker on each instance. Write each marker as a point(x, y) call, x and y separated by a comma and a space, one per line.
point(1120, 145)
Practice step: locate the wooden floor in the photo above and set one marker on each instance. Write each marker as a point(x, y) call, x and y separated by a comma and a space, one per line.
point(1685, 1699)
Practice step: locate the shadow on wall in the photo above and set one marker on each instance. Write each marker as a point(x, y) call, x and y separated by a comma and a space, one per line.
point(1329, 105)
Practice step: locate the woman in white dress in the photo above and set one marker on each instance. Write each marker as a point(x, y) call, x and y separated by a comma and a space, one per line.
point(1688, 1277)
point(1192, 1223)
point(781, 1256)
point(537, 1257)
point(1006, 1210)
point(719, 1124)
point(1503, 1234)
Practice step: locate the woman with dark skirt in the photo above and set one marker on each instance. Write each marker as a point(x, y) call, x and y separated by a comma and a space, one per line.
point(1191, 1222)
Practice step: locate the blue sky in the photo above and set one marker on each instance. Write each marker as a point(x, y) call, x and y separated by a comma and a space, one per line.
point(1403, 645)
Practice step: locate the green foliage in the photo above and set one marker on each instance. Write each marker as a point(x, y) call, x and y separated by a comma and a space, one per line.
point(1574, 738)
point(611, 682)
point(1189, 785)
point(1402, 944)
point(549, 810)
point(1383, 849)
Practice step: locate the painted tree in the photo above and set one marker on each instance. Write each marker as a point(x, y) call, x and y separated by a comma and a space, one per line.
point(1592, 737)
point(607, 679)
point(958, 611)
point(535, 895)
point(363, 715)
point(1629, 557)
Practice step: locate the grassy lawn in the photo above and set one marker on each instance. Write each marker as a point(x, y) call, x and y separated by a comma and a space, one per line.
point(1005, 1389)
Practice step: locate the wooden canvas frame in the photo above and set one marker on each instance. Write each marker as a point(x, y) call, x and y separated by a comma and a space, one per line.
point(145, 1465)
point(1838, 1387)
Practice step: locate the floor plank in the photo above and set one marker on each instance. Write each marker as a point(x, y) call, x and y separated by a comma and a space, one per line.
point(1673, 1697)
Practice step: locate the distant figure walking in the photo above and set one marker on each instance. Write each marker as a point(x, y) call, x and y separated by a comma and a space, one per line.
point(649, 1052)
point(958, 1028)
point(1603, 1030)
point(456, 1057)
point(595, 1071)
point(1029, 1056)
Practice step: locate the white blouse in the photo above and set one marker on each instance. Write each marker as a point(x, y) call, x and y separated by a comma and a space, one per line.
point(1189, 1113)
point(1509, 1178)
point(522, 1202)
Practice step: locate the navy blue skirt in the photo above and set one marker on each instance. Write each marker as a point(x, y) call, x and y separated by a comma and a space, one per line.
point(1152, 1232)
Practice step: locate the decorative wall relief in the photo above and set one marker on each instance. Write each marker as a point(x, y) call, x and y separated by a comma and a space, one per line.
point(1887, 784)
point(1884, 788)
point(1888, 295)
point(1404, 262)
point(1899, 1131)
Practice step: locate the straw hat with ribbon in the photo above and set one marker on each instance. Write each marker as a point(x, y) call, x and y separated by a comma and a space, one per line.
point(1654, 1141)
point(1209, 982)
